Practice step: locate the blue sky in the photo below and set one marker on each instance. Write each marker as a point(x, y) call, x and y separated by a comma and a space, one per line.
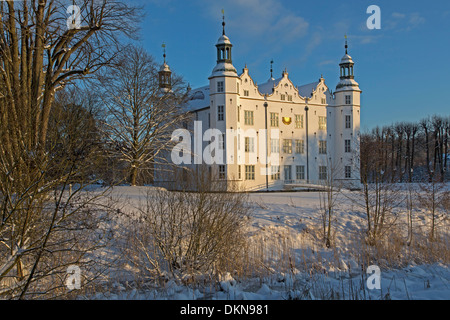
point(403, 68)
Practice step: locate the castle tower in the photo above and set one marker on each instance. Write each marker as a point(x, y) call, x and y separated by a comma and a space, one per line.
point(345, 127)
point(165, 75)
point(223, 84)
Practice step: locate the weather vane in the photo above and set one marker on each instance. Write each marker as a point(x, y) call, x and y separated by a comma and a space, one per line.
point(164, 48)
point(223, 23)
point(346, 45)
point(271, 68)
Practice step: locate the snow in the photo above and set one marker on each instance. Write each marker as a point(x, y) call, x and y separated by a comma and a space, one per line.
point(266, 88)
point(224, 69)
point(346, 59)
point(307, 89)
point(199, 98)
point(292, 220)
point(223, 40)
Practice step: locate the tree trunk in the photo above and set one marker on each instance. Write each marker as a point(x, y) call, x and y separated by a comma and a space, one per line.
point(133, 175)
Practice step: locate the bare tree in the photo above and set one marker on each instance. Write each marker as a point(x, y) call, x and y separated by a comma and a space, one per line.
point(140, 116)
point(378, 196)
point(414, 131)
point(410, 208)
point(328, 198)
point(425, 125)
point(74, 133)
point(434, 197)
point(39, 56)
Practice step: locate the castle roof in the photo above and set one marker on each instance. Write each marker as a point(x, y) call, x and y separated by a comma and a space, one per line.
point(198, 99)
point(307, 89)
point(266, 88)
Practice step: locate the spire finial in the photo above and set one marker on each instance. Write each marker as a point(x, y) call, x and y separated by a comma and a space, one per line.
point(164, 49)
point(346, 45)
point(271, 68)
point(223, 22)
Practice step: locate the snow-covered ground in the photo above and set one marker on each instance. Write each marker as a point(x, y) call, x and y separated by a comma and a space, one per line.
point(287, 226)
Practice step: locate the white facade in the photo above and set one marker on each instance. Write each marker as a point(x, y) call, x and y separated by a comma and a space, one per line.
point(312, 133)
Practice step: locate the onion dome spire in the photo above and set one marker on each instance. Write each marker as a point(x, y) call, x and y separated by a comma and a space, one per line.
point(165, 74)
point(224, 61)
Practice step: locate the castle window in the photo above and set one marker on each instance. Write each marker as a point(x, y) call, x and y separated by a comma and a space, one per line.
point(287, 173)
point(249, 145)
point(322, 123)
point(274, 145)
point(287, 146)
point(222, 142)
point(274, 119)
point(348, 172)
point(348, 147)
point(348, 122)
point(298, 121)
point(348, 99)
point(299, 146)
point(322, 173)
point(322, 147)
point(300, 172)
point(222, 172)
point(220, 86)
point(246, 93)
point(249, 172)
point(275, 172)
point(248, 117)
point(283, 97)
point(220, 113)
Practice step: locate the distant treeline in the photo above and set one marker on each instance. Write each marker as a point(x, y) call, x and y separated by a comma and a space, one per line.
point(407, 151)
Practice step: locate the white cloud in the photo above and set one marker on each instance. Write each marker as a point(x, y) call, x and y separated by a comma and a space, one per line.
point(403, 21)
point(326, 62)
point(260, 19)
point(398, 15)
point(415, 19)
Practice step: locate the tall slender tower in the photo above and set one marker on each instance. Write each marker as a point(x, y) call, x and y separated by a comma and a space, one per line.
point(165, 75)
point(345, 134)
point(223, 84)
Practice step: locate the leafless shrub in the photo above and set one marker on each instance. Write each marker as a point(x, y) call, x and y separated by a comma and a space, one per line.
point(434, 197)
point(182, 235)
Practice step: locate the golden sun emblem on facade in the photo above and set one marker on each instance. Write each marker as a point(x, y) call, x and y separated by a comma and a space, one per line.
point(287, 120)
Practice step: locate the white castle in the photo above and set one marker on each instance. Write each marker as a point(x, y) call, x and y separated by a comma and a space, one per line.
point(275, 135)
